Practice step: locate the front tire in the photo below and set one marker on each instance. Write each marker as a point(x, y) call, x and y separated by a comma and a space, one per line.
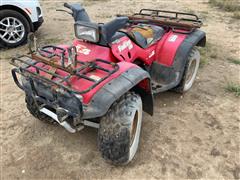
point(190, 72)
point(14, 28)
point(120, 128)
point(33, 109)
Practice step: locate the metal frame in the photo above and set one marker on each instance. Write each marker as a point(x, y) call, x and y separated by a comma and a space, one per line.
point(176, 14)
point(172, 19)
point(48, 56)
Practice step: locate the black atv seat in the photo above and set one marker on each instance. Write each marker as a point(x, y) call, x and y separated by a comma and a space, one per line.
point(111, 28)
point(153, 34)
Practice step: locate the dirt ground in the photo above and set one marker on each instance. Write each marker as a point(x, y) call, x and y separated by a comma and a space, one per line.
point(190, 136)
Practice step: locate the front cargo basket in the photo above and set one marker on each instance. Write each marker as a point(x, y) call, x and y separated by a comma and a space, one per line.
point(65, 60)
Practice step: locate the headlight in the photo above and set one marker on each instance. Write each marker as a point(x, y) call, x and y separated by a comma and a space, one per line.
point(86, 31)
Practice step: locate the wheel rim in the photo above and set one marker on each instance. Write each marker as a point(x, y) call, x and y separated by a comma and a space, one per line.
point(11, 30)
point(134, 127)
point(191, 71)
point(135, 131)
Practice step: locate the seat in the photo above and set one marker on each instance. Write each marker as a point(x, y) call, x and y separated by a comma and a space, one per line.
point(109, 29)
point(145, 35)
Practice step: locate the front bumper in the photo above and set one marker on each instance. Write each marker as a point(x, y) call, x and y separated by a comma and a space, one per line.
point(55, 91)
point(64, 102)
point(63, 107)
point(37, 24)
point(54, 116)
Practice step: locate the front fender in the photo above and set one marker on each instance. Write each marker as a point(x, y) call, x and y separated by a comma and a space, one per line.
point(112, 91)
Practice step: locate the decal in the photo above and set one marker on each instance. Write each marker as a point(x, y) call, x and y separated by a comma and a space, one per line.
point(83, 49)
point(173, 38)
point(116, 41)
point(152, 54)
point(96, 78)
point(126, 44)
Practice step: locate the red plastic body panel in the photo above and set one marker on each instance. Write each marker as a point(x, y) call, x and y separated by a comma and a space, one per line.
point(126, 50)
point(82, 84)
point(167, 47)
point(163, 51)
point(90, 52)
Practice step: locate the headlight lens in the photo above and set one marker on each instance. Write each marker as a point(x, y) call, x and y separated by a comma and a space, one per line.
point(87, 33)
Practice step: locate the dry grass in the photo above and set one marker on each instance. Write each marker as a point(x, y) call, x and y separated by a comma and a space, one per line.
point(234, 61)
point(233, 88)
point(236, 14)
point(228, 5)
point(207, 53)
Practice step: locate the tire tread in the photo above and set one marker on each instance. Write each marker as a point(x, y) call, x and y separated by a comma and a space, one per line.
point(114, 132)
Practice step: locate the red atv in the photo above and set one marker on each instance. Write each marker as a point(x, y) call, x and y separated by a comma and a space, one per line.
point(108, 76)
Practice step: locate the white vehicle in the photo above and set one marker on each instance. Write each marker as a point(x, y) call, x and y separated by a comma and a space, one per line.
point(17, 19)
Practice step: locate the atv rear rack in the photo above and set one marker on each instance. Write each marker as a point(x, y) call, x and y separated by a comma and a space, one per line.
point(58, 61)
point(169, 18)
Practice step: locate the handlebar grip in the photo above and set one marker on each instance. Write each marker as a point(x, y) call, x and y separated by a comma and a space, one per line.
point(67, 5)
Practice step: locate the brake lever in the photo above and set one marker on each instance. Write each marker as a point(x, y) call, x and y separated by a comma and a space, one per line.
point(62, 10)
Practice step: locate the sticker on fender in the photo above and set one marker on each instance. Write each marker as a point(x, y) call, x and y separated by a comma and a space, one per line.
point(83, 49)
point(173, 38)
point(152, 54)
point(125, 45)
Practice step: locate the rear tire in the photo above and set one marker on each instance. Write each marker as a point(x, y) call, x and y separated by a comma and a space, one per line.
point(190, 72)
point(33, 109)
point(120, 128)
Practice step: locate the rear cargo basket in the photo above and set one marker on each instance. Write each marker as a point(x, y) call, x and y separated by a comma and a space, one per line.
point(168, 18)
point(57, 58)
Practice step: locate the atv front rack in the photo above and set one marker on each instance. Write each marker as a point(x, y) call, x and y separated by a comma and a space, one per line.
point(169, 18)
point(28, 66)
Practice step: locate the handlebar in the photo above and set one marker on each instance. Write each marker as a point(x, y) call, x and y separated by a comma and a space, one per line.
point(66, 5)
point(78, 12)
point(63, 10)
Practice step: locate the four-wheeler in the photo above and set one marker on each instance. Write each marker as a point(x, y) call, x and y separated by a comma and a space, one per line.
point(17, 19)
point(108, 76)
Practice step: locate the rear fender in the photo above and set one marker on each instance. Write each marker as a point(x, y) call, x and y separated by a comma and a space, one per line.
point(169, 75)
point(135, 79)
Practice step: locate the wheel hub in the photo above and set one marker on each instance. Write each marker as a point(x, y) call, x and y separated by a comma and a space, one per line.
point(11, 29)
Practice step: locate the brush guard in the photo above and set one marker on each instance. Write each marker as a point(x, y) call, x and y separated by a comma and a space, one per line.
point(61, 90)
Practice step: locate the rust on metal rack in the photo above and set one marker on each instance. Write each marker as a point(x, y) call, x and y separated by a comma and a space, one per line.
point(168, 22)
point(23, 65)
point(168, 18)
point(51, 62)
